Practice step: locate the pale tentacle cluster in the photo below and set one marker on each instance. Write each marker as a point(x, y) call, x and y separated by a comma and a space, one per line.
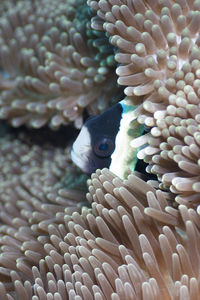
point(159, 57)
point(51, 66)
point(32, 191)
point(130, 245)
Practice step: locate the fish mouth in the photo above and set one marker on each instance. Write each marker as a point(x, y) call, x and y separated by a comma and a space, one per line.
point(80, 161)
point(84, 162)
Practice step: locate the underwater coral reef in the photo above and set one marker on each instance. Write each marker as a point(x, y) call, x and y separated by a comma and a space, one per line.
point(64, 235)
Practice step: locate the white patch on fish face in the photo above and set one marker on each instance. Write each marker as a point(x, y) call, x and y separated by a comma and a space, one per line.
point(81, 149)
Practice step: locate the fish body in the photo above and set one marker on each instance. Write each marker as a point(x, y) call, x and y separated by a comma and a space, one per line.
point(104, 141)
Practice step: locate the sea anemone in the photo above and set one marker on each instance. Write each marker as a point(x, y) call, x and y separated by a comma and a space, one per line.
point(159, 57)
point(31, 192)
point(129, 245)
point(53, 64)
point(127, 241)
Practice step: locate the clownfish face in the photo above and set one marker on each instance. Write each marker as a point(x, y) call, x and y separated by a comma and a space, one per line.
point(95, 143)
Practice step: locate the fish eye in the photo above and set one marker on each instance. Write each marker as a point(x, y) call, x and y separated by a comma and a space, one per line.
point(104, 147)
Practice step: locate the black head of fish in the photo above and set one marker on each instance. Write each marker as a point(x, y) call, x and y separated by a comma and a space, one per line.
point(96, 142)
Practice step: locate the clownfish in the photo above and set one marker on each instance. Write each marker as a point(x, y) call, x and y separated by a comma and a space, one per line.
point(104, 141)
